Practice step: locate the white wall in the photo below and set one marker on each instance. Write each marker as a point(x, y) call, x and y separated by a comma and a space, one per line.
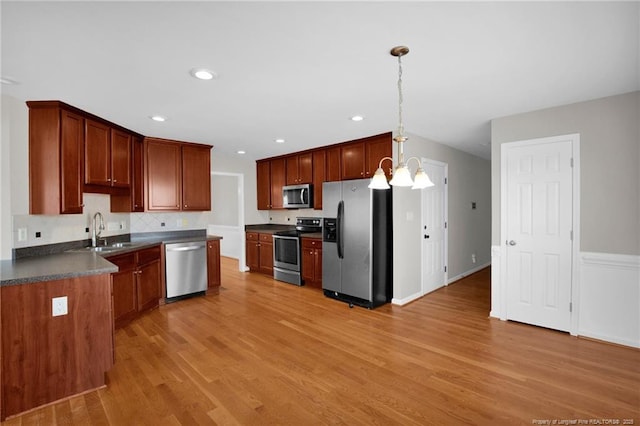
point(469, 230)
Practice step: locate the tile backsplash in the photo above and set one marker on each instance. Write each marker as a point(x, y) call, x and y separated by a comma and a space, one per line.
point(36, 230)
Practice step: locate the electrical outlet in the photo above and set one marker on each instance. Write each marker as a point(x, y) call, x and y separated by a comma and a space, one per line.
point(123, 224)
point(59, 306)
point(22, 234)
point(473, 258)
point(38, 234)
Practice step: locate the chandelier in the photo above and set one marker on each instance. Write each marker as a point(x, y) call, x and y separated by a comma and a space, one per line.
point(401, 176)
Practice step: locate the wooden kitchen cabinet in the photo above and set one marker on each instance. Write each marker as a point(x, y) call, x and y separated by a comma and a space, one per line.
point(196, 178)
point(137, 284)
point(299, 168)
point(213, 267)
point(107, 156)
point(333, 164)
point(178, 176)
point(134, 200)
point(319, 164)
point(260, 252)
point(263, 178)
point(278, 180)
point(312, 262)
point(56, 158)
point(359, 159)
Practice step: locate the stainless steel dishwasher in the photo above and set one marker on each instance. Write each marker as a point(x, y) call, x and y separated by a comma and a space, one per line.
point(186, 269)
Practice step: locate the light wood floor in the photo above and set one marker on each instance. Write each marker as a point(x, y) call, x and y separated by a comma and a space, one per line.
point(265, 352)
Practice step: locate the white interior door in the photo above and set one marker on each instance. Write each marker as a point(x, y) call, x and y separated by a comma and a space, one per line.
point(434, 217)
point(539, 221)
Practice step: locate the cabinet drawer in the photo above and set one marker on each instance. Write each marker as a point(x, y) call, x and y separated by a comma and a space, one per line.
point(267, 238)
point(311, 243)
point(148, 255)
point(252, 236)
point(123, 261)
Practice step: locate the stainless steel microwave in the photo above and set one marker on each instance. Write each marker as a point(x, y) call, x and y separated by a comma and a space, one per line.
point(297, 196)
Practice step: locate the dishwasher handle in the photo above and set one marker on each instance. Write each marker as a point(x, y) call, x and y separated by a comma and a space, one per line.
point(189, 248)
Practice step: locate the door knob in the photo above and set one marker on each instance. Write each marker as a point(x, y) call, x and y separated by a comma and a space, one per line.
point(512, 243)
point(426, 236)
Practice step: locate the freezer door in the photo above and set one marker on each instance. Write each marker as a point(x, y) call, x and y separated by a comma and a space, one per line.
point(331, 263)
point(356, 238)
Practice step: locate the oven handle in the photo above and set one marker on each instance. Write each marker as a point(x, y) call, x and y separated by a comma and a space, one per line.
point(339, 241)
point(284, 237)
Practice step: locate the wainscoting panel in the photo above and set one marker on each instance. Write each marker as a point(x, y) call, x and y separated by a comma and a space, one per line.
point(610, 298)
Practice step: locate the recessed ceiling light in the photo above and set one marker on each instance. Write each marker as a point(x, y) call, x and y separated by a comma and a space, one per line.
point(357, 118)
point(203, 73)
point(241, 152)
point(280, 140)
point(159, 118)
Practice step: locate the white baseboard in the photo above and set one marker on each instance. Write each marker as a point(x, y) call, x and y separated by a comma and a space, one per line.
point(467, 273)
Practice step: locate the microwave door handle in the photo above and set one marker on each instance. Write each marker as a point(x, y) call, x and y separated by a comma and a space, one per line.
point(302, 195)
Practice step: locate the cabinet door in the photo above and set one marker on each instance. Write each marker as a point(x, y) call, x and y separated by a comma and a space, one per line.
point(253, 255)
point(266, 257)
point(137, 176)
point(263, 174)
point(277, 182)
point(124, 289)
point(318, 177)
point(305, 168)
point(148, 283)
point(163, 168)
point(352, 157)
point(196, 178)
point(71, 163)
point(120, 159)
point(291, 164)
point(97, 154)
point(308, 265)
point(376, 149)
point(333, 166)
point(213, 265)
point(318, 267)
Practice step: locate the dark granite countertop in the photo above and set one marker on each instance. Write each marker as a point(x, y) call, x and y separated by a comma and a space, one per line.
point(83, 261)
point(268, 228)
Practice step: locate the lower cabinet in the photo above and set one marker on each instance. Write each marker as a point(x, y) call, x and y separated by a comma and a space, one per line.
point(312, 262)
point(213, 266)
point(260, 252)
point(137, 284)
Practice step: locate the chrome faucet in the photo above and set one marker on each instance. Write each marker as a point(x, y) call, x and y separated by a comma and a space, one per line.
point(95, 236)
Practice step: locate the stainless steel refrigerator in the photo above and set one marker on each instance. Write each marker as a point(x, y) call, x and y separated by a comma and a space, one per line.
point(357, 243)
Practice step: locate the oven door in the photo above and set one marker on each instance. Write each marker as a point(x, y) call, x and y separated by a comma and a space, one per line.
point(286, 252)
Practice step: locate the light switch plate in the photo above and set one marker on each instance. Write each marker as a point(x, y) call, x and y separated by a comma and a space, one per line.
point(22, 234)
point(59, 306)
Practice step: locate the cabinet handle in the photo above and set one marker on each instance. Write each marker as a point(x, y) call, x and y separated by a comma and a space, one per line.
point(114, 181)
point(108, 180)
point(185, 206)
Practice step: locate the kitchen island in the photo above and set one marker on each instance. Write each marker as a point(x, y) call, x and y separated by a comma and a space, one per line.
point(57, 322)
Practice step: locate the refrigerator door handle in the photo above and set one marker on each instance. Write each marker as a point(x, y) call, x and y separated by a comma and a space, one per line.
point(339, 227)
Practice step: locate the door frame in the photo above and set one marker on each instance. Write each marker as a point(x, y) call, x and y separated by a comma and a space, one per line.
point(445, 246)
point(574, 138)
point(242, 260)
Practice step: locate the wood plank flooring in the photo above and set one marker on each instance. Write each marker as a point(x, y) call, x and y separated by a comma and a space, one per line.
point(264, 352)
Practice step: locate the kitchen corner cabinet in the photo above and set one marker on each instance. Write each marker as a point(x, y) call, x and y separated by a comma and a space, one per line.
point(271, 177)
point(134, 200)
point(56, 158)
point(299, 168)
point(260, 252)
point(178, 176)
point(107, 157)
point(213, 267)
point(319, 164)
point(359, 159)
point(312, 262)
point(137, 284)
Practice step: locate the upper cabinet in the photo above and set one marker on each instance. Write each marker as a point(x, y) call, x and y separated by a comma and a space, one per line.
point(107, 157)
point(360, 159)
point(278, 173)
point(178, 176)
point(263, 179)
point(299, 168)
point(134, 200)
point(271, 177)
point(56, 150)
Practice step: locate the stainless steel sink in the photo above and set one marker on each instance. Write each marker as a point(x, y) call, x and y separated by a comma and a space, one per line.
point(101, 249)
point(121, 245)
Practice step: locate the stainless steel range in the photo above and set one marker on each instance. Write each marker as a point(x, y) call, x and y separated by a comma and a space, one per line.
point(287, 259)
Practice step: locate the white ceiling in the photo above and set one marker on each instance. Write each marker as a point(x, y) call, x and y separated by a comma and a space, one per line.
point(299, 70)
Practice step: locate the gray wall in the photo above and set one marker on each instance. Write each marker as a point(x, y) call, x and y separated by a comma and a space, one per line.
point(609, 131)
point(469, 230)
